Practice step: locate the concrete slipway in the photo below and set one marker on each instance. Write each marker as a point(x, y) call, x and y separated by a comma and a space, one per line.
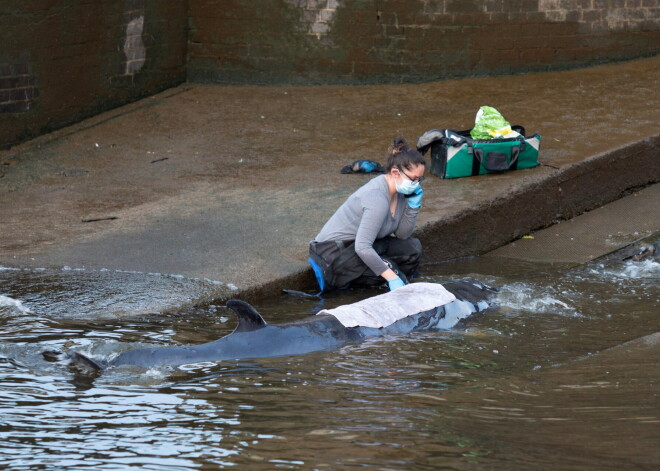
point(231, 183)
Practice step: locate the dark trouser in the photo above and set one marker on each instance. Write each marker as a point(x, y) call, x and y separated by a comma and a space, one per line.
point(341, 265)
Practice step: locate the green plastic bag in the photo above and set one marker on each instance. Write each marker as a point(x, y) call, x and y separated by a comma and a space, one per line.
point(490, 124)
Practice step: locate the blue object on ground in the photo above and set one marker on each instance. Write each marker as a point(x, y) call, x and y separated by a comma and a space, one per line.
point(363, 166)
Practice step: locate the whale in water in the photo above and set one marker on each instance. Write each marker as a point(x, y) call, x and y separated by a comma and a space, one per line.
point(414, 307)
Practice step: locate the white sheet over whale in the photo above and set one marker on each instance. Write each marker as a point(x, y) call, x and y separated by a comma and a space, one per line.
point(385, 309)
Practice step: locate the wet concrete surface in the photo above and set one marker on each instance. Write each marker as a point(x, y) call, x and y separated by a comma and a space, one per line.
point(231, 183)
point(593, 234)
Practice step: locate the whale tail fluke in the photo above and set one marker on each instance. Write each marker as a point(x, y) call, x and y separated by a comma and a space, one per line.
point(75, 359)
point(52, 355)
point(642, 251)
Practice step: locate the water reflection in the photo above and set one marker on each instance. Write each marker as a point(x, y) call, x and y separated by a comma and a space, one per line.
point(561, 376)
point(84, 293)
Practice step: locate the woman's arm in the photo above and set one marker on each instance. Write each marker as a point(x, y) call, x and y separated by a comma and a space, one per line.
point(373, 218)
point(407, 224)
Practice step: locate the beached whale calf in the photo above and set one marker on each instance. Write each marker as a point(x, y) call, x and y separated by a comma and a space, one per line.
point(414, 307)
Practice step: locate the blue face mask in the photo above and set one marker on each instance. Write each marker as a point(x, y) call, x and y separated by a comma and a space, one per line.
point(406, 187)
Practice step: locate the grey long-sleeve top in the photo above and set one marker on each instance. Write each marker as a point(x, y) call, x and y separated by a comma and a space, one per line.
point(365, 216)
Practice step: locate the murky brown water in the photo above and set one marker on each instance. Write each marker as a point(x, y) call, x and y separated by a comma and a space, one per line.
point(562, 376)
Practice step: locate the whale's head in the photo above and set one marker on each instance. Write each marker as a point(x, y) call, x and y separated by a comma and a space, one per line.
point(471, 290)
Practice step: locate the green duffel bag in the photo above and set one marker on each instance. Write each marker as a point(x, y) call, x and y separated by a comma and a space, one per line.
point(455, 154)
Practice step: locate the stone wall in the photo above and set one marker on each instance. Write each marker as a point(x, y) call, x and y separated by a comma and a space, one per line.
point(358, 41)
point(63, 61)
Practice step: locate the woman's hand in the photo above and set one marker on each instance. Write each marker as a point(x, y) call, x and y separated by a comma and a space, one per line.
point(395, 283)
point(415, 200)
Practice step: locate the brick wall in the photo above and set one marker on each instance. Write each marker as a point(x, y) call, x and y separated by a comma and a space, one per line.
point(18, 92)
point(349, 41)
point(63, 61)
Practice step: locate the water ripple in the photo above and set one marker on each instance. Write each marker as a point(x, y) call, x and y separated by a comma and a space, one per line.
point(485, 395)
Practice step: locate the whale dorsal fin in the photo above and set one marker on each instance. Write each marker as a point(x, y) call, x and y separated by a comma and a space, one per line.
point(248, 317)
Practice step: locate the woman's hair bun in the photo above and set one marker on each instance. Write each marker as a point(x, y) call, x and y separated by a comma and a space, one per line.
point(401, 155)
point(399, 143)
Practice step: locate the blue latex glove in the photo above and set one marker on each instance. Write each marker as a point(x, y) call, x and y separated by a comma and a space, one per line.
point(395, 283)
point(415, 201)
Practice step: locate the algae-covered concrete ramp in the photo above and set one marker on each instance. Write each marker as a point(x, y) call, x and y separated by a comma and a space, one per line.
point(231, 183)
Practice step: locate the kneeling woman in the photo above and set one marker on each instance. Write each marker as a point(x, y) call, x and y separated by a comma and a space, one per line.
point(367, 241)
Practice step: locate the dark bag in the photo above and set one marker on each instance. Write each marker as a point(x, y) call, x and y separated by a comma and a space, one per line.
point(455, 154)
